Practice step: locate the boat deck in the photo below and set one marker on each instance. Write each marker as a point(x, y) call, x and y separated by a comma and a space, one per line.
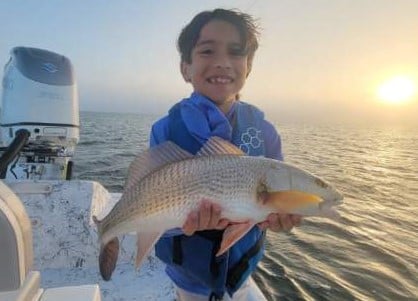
point(66, 246)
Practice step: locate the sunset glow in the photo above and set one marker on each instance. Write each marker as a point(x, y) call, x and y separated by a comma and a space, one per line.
point(397, 90)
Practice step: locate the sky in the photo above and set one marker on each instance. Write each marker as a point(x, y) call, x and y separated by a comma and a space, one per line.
point(318, 60)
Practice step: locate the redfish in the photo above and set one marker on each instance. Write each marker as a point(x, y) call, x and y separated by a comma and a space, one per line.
point(166, 183)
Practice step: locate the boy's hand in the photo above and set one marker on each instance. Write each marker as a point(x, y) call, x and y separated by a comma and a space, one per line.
point(206, 217)
point(277, 222)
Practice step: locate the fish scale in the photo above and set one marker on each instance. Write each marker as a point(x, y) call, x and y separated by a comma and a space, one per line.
point(218, 178)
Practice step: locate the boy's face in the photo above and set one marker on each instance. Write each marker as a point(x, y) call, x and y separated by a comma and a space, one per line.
point(218, 67)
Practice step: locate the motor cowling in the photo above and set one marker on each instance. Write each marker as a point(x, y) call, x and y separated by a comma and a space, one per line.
point(40, 95)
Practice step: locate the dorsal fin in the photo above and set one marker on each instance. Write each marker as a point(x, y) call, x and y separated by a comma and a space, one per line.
point(219, 146)
point(152, 159)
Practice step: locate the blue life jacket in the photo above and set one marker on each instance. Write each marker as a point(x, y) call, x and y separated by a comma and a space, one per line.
point(194, 255)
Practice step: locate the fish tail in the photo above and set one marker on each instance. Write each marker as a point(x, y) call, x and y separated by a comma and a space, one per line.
point(108, 258)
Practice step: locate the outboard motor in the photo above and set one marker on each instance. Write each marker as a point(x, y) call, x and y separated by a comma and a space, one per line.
point(40, 116)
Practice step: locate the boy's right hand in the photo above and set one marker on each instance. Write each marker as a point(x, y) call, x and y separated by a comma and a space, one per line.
point(206, 217)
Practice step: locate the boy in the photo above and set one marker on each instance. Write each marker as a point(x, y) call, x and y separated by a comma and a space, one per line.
point(217, 49)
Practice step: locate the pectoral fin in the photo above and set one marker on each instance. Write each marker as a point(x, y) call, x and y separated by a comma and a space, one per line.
point(144, 242)
point(232, 234)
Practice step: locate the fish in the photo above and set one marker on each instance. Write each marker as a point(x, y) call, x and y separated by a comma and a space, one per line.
point(165, 183)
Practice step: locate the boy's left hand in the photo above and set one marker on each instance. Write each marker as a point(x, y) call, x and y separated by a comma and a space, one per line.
point(206, 217)
point(277, 222)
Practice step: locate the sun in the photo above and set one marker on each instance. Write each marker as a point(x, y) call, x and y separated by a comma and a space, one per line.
point(397, 90)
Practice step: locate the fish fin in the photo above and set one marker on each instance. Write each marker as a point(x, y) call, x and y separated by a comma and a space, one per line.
point(218, 146)
point(98, 224)
point(153, 159)
point(108, 258)
point(144, 242)
point(232, 234)
point(96, 220)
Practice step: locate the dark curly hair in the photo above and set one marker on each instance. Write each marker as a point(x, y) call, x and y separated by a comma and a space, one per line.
point(245, 24)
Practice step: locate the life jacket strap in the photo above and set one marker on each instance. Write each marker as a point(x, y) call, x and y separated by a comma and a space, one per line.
point(213, 235)
point(177, 250)
point(236, 272)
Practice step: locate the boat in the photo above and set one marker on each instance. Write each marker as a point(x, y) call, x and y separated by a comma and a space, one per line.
point(48, 240)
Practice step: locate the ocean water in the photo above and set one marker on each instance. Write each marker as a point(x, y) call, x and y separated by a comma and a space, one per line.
point(370, 254)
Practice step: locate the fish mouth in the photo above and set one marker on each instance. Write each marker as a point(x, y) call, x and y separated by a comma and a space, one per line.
point(220, 79)
point(329, 209)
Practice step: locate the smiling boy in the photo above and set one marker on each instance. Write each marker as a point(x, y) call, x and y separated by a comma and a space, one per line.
point(218, 65)
point(217, 50)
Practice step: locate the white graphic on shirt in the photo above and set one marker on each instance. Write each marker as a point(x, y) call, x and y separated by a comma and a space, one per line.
point(250, 139)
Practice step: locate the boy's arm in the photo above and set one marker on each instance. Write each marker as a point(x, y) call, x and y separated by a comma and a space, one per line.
point(159, 132)
point(272, 142)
